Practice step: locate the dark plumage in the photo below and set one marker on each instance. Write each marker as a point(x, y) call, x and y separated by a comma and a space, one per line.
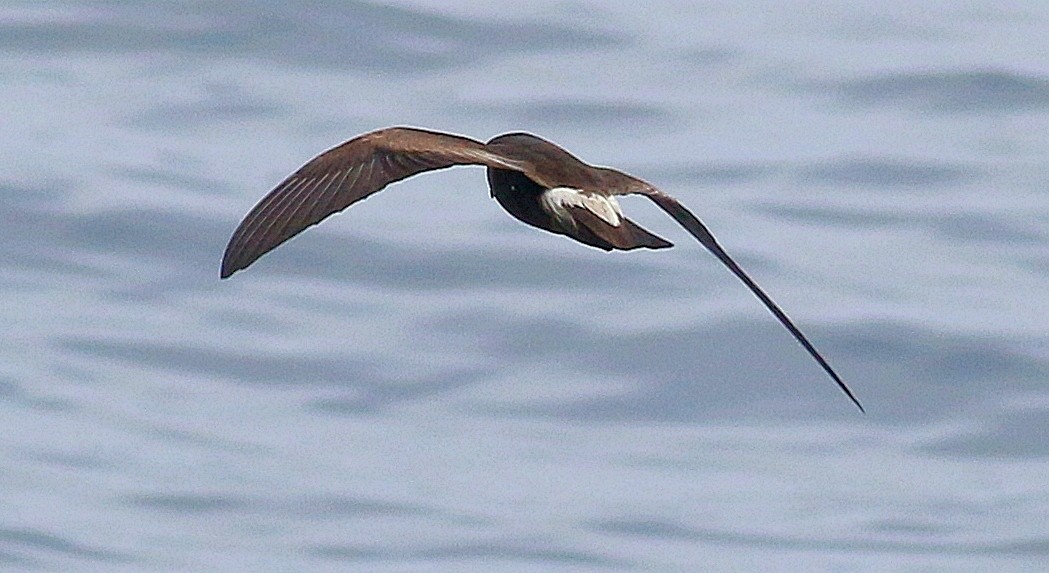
point(534, 180)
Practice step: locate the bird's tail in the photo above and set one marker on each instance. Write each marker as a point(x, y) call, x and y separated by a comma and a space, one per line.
point(640, 238)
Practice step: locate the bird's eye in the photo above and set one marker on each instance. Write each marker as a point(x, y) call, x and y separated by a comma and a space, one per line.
point(513, 187)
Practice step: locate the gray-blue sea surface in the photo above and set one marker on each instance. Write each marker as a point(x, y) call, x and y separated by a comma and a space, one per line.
point(424, 384)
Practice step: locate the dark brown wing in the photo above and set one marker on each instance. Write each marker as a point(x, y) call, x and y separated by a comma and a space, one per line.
point(686, 219)
point(343, 175)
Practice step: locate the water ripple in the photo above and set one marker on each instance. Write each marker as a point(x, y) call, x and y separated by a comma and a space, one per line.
point(545, 554)
point(750, 368)
point(228, 365)
point(1022, 434)
point(841, 216)
point(214, 107)
point(191, 503)
point(340, 507)
point(959, 228)
point(986, 91)
point(657, 529)
point(350, 35)
point(885, 173)
point(578, 112)
point(47, 544)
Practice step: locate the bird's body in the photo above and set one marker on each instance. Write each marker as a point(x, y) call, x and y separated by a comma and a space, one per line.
point(566, 196)
point(534, 180)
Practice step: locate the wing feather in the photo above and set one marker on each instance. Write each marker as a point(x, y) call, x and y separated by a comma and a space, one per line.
point(343, 175)
point(263, 217)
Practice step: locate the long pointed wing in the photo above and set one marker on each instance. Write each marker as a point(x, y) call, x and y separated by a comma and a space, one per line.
point(343, 175)
point(686, 219)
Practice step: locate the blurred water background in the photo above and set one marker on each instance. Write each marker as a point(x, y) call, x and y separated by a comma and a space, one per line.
point(425, 384)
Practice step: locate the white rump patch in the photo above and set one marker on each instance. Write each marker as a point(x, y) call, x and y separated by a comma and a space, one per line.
point(556, 201)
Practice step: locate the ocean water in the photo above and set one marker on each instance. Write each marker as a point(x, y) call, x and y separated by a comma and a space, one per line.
point(424, 384)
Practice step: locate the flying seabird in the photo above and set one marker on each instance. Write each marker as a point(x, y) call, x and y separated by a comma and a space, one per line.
point(535, 180)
